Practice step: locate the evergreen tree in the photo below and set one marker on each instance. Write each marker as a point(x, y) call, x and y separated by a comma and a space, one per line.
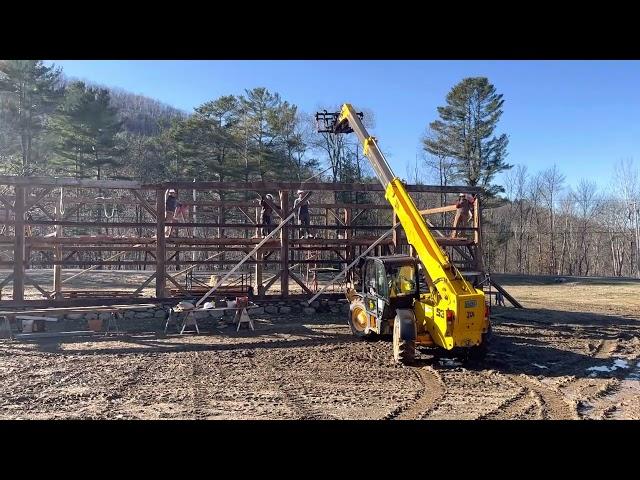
point(29, 94)
point(87, 127)
point(465, 133)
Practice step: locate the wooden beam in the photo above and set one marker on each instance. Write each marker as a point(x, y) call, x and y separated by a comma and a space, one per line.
point(222, 262)
point(429, 211)
point(284, 246)
point(144, 203)
point(6, 281)
point(506, 295)
point(259, 268)
point(108, 248)
point(338, 254)
point(251, 222)
point(57, 255)
point(271, 281)
point(477, 222)
point(18, 249)
point(336, 217)
point(71, 223)
point(299, 282)
point(238, 226)
point(88, 240)
point(82, 305)
point(355, 217)
point(161, 283)
point(348, 220)
point(461, 242)
point(43, 210)
point(38, 287)
point(146, 282)
point(64, 260)
point(274, 207)
point(33, 202)
point(172, 280)
point(8, 204)
point(310, 186)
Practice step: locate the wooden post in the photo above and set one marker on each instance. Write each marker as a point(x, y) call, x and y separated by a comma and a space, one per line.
point(347, 222)
point(18, 248)
point(258, 232)
point(259, 269)
point(348, 216)
point(477, 223)
point(221, 216)
point(161, 279)
point(284, 247)
point(326, 221)
point(57, 255)
point(476, 220)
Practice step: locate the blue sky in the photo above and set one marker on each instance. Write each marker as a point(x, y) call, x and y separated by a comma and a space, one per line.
point(581, 115)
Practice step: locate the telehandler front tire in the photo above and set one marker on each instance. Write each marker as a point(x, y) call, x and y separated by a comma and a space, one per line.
point(358, 320)
point(404, 350)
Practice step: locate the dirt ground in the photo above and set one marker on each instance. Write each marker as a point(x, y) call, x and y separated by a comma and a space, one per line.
point(574, 353)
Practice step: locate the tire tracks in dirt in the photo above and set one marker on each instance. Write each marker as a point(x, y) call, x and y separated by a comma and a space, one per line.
point(432, 392)
point(553, 405)
point(300, 405)
point(525, 404)
point(605, 348)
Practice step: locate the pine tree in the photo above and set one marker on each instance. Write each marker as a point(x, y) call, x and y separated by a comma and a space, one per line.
point(465, 133)
point(29, 94)
point(87, 126)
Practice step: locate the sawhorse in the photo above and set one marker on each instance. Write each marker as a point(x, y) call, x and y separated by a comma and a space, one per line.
point(112, 318)
point(189, 319)
point(242, 316)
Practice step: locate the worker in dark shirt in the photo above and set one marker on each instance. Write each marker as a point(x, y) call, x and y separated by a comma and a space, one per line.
point(302, 212)
point(170, 210)
point(265, 214)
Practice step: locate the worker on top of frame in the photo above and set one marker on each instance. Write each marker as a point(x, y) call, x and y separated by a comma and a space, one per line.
point(265, 214)
point(302, 212)
point(171, 205)
point(463, 213)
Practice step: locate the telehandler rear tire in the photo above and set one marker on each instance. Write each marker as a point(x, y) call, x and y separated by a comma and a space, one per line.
point(479, 353)
point(404, 351)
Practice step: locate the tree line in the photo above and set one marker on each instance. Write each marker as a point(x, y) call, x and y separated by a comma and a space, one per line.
point(53, 125)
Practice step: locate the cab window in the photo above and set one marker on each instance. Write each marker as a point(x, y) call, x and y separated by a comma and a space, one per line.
point(401, 280)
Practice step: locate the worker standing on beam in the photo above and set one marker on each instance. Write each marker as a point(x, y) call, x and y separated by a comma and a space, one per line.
point(471, 199)
point(170, 210)
point(265, 214)
point(302, 212)
point(463, 208)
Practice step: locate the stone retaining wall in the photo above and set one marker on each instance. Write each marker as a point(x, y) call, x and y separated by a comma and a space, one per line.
point(153, 319)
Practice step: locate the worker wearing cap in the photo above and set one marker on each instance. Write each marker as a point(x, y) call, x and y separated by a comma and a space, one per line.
point(302, 212)
point(171, 206)
point(265, 214)
point(463, 208)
